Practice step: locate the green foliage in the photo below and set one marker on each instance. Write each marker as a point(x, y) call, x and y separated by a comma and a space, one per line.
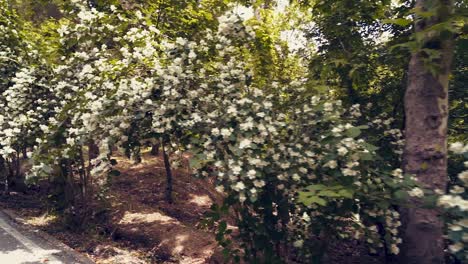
point(318, 193)
point(455, 203)
point(304, 145)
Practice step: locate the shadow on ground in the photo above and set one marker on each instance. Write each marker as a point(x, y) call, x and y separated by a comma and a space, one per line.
point(141, 226)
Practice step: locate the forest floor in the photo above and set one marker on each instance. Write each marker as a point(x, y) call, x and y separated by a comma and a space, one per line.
point(141, 227)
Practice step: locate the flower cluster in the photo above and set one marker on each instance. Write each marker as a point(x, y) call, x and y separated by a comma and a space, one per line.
point(455, 203)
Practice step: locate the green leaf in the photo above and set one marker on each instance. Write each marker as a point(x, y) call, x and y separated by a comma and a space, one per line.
point(363, 127)
point(318, 200)
point(346, 193)
point(455, 236)
point(383, 204)
point(329, 157)
point(403, 22)
point(315, 187)
point(329, 193)
point(307, 199)
point(196, 161)
point(424, 14)
point(366, 156)
point(370, 147)
point(313, 199)
point(401, 195)
point(430, 201)
point(253, 199)
point(222, 227)
point(353, 132)
point(226, 252)
point(234, 149)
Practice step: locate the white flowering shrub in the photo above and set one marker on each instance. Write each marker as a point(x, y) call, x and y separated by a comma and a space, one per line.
point(104, 82)
point(300, 175)
point(296, 167)
point(10, 44)
point(25, 99)
point(10, 62)
point(455, 204)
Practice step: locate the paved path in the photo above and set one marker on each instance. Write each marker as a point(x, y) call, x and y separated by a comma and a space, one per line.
point(20, 245)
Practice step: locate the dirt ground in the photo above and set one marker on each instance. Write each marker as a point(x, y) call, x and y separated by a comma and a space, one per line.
point(141, 227)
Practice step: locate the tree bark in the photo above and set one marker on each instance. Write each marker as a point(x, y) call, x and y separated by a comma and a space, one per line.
point(93, 153)
point(93, 150)
point(167, 165)
point(155, 149)
point(4, 174)
point(425, 154)
point(18, 178)
point(136, 155)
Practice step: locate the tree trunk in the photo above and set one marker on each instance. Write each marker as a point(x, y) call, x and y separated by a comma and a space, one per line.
point(425, 154)
point(93, 150)
point(69, 184)
point(167, 165)
point(18, 177)
point(154, 149)
point(25, 153)
point(136, 155)
point(4, 174)
point(93, 153)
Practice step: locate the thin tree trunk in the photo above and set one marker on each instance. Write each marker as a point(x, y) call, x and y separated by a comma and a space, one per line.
point(69, 184)
point(167, 165)
point(18, 180)
point(25, 152)
point(9, 174)
point(425, 154)
point(155, 149)
point(83, 176)
point(93, 153)
point(4, 173)
point(136, 155)
point(93, 150)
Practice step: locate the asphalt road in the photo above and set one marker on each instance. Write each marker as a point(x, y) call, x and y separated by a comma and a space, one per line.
point(20, 245)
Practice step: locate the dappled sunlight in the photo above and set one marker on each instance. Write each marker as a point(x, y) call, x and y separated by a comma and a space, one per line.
point(124, 162)
point(179, 240)
point(144, 165)
point(42, 220)
point(189, 245)
point(201, 200)
point(135, 218)
point(112, 255)
point(140, 216)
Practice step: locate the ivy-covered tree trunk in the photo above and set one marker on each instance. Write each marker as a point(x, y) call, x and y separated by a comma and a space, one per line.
point(425, 155)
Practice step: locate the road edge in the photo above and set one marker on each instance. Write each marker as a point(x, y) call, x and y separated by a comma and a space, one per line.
point(20, 224)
